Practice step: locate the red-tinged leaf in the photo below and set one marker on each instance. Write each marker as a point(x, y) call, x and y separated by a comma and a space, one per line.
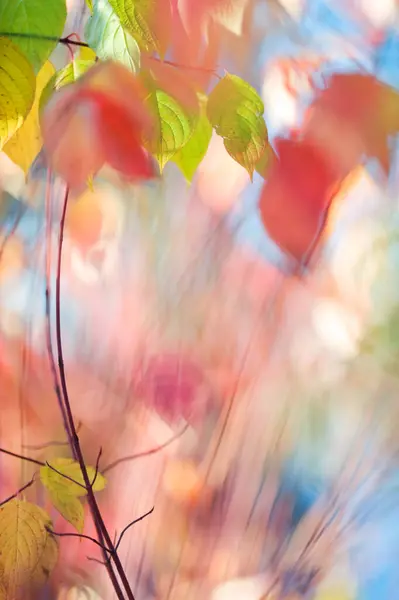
point(360, 114)
point(99, 119)
point(120, 138)
point(173, 82)
point(122, 88)
point(189, 49)
point(70, 137)
point(203, 29)
point(174, 386)
point(296, 197)
point(228, 13)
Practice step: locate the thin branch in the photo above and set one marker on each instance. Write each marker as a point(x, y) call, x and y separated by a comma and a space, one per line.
point(146, 452)
point(66, 476)
point(78, 535)
point(97, 467)
point(177, 65)
point(21, 457)
point(130, 525)
point(49, 342)
point(50, 444)
point(97, 560)
point(101, 529)
point(45, 38)
point(68, 41)
point(24, 487)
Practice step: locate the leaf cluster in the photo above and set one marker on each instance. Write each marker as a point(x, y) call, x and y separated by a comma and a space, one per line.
point(137, 34)
point(28, 544)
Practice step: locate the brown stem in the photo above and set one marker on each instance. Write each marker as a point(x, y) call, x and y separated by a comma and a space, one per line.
point(81, 536)
point(49, 38)
point(69, 426)
point(119, 461)
point(49, 342)
point(130, 525)
point(22, 457)
point(24, 487)
point(102, 532)
point(177, 65)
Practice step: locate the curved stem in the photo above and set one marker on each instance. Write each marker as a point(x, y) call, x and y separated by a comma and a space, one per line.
point(49, 342)
point(102, 532)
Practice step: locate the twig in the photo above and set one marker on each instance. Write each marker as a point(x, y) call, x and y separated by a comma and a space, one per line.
point(146, 452)
point(67, 41)
point(78, 535)
point(130, 525)
point(50, 444)
point(49, 342)
point(65, 476)
point(97, 467)
point(21, 457)
point(68, 422)
point(24, 487)
point(44, 38)
point(97, 560)
point(101, 529)
point(177, 65)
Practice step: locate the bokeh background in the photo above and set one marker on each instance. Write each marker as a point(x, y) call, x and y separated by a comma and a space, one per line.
point(191, 349)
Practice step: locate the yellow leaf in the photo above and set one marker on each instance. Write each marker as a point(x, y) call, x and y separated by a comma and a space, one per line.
point(48, 561)
point(69, 506)
point(335, 593)
point(3, 589)
point(235, 110)
point(86, 53)
point(71, 469)
point(17, 89)
point(64, 493)
point(28, 552)
point(26, 143)
point(90, 184)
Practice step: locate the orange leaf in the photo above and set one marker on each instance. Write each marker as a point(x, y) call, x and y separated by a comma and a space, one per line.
point(84, 220)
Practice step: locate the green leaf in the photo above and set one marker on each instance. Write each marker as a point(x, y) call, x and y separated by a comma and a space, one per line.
point(26, 143)
point(263, 164)
point(65, 76)
point(66, 486)
point(72, 72)
point(28, 552)
point(33, 19)
point(191, 155)
point(90, 5)
point(173, 123)
point(17, 89)
point(236, 112)
point(148, 21)
point(107, 37)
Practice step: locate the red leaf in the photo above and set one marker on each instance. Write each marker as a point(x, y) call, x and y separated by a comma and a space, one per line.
point(173, 386)
point(296, 197)
point(101, 118)
point(119, 137)
point(353, 117)
point(70, 137)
